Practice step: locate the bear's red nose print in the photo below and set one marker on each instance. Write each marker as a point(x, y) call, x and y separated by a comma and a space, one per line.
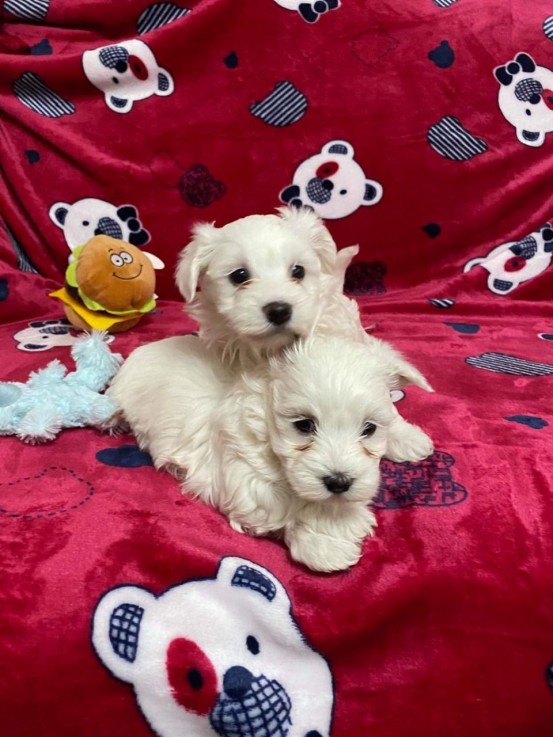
point(191, 676)
point(138, 68)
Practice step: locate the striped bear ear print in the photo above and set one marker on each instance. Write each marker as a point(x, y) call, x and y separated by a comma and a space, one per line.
point(158, 15)
point(126, 73)
point(525, 98)
point(28, 9)
point(504, 363)
point(35, 94)
point(283, 106)
point(451, 140)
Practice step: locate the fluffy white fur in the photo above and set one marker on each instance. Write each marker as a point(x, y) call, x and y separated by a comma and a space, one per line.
point(219, 411)
point(231, 317)
point(232, 435)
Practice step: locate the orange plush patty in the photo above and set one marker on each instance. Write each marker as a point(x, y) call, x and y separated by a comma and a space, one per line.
point(112, 275)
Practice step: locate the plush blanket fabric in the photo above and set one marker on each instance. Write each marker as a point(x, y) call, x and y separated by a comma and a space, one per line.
point(421, 130)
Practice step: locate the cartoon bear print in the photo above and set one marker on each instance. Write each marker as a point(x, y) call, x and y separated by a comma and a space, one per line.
point(428, 483)
point(90, 216)
point(218, 656)
point(512, 263)
point(195, 184)
point(41, 335)
point(526, 98)
point(311, 10)
point(126, 72)
point(332, 183)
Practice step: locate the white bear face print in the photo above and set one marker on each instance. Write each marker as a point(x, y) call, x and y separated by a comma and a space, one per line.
point(217, 656)
point(512, 263)
point(526, 98)
point(41, 335)
point(90, 216)
point(332, 183)
point(126, 72)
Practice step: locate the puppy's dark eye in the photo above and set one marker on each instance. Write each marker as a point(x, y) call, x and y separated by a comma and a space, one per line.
point(240, 276)
point(298, 272)
point(305, 426)
point(252, 644)
point(368, 429)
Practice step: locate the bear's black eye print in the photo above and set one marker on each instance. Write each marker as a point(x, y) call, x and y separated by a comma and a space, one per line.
point(195, 679)
point(240, 276)
point(115, 80)
point(343, 191)
point(368, 429)
point(306, 426)
point(298, 272)
point(528, 112)
point(252, 644)
point(85, 222)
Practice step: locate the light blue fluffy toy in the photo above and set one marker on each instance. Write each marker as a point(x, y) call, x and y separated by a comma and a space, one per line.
point(53, 399)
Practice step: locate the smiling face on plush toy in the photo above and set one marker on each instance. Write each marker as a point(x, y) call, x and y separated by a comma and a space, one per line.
point(116, 276)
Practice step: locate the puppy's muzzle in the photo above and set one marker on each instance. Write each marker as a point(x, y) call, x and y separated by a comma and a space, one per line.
point(337, 483)
point(278, 313)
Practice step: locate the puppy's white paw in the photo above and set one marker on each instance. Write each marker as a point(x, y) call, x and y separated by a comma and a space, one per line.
point(407, 442)
point(321, 552)
point(178, 472)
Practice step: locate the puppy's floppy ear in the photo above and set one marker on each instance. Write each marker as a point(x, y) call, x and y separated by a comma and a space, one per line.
point(309, 226)
point(406, 373)
point(397, 370)
point(344, 258)
point(194, 259)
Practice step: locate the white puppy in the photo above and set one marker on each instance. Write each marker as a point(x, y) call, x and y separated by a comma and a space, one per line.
point(259, 283)
point(292, 447)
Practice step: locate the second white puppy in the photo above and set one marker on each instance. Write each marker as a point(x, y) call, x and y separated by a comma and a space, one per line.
point(291, 448)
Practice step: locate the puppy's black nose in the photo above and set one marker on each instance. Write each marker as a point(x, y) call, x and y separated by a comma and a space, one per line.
point(338, 483)
point(278, 313)
point(237, 681)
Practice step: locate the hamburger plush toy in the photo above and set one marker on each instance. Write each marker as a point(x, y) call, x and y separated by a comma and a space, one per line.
point(109, 285)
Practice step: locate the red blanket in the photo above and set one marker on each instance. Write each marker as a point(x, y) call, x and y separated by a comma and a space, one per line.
point(419, 129)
